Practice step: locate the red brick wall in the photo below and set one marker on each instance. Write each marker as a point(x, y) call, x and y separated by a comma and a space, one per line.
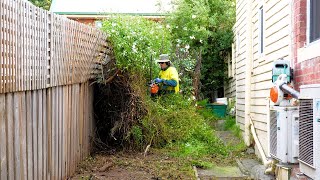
point(305, 72)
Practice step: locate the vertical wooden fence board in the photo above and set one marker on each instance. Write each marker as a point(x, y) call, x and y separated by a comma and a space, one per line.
point(77, 123)
point(16, 136)
point(72, 152)
point(74, 121)
point(81, 97)
point(29, 135)
point(49, 137)
point(60, 131)
point(55, 132)
point(64, 136)
point(35, 151)
point(3, 138)
point(70, 110)
point(1, 47)
point(10, 134)
point(91, 117)
point(23, 136)
point(45, 134)
point(40, 135)
point(87, 110)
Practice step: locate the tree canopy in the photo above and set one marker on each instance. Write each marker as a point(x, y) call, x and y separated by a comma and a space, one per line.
point(205, 26)
point(45, 4)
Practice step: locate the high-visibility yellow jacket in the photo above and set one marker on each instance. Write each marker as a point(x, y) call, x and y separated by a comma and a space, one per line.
point(170, 75)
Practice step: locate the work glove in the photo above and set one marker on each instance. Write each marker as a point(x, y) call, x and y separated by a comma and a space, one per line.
point(158, 80)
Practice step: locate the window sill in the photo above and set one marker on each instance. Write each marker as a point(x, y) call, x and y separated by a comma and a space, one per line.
point(310, 51)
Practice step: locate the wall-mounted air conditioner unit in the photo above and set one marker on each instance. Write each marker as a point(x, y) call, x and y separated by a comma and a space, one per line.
point(284, 134)
point(309, 130)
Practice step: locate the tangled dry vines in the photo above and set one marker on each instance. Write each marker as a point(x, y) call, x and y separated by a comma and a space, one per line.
point(118, 106)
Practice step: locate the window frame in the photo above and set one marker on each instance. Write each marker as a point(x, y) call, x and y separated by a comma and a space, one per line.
point(261, 31)
point(308, 33)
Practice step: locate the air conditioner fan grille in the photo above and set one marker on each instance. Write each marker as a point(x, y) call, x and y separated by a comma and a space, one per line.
point(306, 153)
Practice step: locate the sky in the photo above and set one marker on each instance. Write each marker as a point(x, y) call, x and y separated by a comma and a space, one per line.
point(111, 6)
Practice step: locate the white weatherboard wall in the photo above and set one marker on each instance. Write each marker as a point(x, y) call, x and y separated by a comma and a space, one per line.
point(277, 44)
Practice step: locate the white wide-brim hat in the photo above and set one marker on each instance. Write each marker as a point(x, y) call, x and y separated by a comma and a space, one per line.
point(163, 58)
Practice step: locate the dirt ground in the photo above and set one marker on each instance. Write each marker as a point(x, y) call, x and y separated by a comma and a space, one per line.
point(133, 165)
point(156, 164)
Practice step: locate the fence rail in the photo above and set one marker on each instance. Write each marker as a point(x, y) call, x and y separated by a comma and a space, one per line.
point(40, 49)
point(46, 101)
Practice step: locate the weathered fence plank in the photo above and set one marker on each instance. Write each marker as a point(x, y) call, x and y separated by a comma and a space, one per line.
point(3, 138)
point(35, 149)
point(40, 134)
point(29, 134)
point(45, 134)
point(10, 134)
point(49, 137)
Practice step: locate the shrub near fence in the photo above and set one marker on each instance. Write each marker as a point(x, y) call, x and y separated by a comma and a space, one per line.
point(46, 115)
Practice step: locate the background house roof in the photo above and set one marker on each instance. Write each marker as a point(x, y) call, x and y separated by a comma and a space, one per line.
point(144, 7)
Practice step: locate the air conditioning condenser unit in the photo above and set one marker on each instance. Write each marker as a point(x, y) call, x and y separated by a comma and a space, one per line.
point(284, 134)
point(309, 130)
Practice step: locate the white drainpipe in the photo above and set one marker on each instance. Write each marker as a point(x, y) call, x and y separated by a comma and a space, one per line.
point(265, 161)
point(248, 62)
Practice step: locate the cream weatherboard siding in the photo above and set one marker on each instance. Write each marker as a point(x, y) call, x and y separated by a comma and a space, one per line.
point(240, 34)
point(277, 40)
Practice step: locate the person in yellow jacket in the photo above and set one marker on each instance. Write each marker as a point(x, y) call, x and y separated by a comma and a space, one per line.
point(168, 77)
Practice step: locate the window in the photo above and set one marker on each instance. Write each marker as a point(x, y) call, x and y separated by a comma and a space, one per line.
point(313, 20)
point(260, 30)
point(238, 44)
point(230, 66)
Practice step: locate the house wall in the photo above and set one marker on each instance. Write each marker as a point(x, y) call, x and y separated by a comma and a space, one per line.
point(230, 85)
point(277, 40)
point(306, 56)
point(230, 88)
point(241, 47)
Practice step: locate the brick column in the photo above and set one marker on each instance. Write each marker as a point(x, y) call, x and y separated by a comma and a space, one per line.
point(299, 25)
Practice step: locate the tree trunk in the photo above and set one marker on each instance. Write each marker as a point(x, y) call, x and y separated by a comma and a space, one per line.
point(196, 78)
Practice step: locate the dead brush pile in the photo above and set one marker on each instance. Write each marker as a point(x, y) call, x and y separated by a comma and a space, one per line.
point(118, 105)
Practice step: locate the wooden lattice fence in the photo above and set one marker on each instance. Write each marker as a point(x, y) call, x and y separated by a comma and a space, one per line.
point(46, 114)
point(40, 49)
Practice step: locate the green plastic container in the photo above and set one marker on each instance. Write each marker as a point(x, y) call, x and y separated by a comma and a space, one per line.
point(218, 109)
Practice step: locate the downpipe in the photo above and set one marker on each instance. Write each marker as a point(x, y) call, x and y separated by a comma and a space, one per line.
point(266, 162)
